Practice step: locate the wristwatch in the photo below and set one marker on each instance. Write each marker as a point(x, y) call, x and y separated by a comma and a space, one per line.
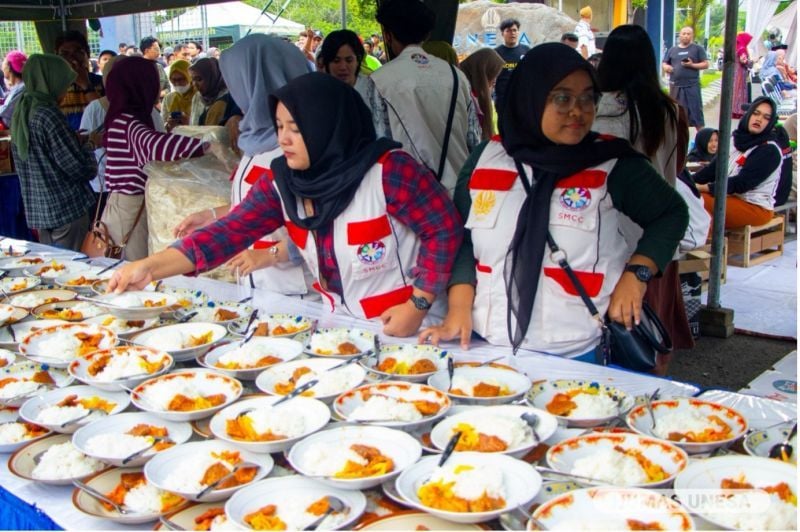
point(420, 302)
point(641, 272)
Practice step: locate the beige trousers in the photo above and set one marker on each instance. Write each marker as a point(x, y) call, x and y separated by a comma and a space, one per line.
point(119, 215)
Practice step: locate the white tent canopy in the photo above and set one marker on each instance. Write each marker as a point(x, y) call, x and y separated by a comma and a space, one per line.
point(231, 14)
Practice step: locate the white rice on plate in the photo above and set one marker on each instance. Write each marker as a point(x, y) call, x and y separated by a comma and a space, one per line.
point(614, 467)
point(385, 408)
point(283, 421)
point(470, 482)
point(160, 393)
point(593, 406)
point(116, 445)
point(64, 461)
point(124, 365)
point(683, 422)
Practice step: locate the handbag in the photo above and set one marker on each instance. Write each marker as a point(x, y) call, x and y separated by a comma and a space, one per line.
point(98, 241)
point(635, 349)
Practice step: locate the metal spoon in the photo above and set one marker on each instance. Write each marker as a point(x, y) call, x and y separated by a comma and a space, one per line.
point(297, 391)
point(533, 421)
point(101, 497)
point(451, 371)
point(249, 335)
point(335, 505)
point(649, 404)
point(543, 469)
point(208, 489)
point(186, 317)
point(530, 518)
point(169, 524)
point(82, 417)
point(449, 448)
point(101, 302)
point(490, 361)
point(783, 451)
point(7, 400)
point(113, 265)
point(133, 456)
point(11, 333)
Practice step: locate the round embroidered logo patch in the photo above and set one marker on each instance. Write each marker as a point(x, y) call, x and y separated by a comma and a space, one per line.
point(785, 385)
point(372, 253)
point(420, 59)
point(576, 198)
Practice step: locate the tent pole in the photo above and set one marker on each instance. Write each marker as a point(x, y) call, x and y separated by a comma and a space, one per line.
point(723, 153)
point(344, 14)
point(63, 16)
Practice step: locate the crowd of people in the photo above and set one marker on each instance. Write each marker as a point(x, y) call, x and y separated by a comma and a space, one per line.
point(394, 182)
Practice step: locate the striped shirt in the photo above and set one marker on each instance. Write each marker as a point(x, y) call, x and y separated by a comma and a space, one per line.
point(131, 144)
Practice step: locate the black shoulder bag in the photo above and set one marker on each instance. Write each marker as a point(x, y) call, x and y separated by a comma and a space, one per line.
point(635, 349)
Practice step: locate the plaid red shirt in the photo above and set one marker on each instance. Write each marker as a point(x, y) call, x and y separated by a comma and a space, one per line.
point(413, 197)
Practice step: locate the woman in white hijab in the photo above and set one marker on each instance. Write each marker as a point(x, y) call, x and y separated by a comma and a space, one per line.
point(253, 68)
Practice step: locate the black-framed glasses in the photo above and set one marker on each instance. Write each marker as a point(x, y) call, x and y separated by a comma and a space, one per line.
point(564, 101)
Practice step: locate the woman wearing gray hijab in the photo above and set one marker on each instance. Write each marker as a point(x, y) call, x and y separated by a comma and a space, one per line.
point(253, 68)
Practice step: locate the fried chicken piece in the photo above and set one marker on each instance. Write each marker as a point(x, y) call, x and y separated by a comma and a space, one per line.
point(348, 348)
point(98, 365)
point(142, 429)
point(483, 389)
point(426, 408)
point(423, 365)
point(262, 329)
point(70, 400)
point(134, 324)
point(489, 443)
point(635, 524)
point(89, 342)
point(43, 377)
point(318, 507)
point(203, 521)
point(225, 315)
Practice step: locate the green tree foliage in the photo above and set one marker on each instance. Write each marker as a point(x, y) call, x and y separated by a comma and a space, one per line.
point(325, 15)
point(692, 13)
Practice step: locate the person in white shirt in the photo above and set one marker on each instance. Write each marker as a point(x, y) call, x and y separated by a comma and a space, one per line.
point(585, 34)
point(416, 89)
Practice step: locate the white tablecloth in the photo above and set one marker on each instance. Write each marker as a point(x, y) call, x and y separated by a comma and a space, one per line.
point(56, 501)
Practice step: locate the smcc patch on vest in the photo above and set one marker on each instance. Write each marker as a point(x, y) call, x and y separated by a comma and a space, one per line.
point(371, 253)
point(576, 198)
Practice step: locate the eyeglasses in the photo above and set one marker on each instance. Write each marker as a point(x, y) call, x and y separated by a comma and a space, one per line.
point(758, 113)
point(564, 101)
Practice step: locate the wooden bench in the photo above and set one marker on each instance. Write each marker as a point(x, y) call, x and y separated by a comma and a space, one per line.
point(699, 261)
point(788, 208)
point(751, 245)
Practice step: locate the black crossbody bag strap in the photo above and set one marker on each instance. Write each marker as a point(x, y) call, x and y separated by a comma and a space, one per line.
point(449, 128)
point(558, 255)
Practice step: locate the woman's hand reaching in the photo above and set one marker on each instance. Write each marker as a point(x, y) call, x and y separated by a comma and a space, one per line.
point(194, 221)
point(457, 324)
point(251, 260)
point(135, 275)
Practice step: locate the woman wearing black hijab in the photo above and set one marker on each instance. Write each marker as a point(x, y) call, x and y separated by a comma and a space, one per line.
point(753, 171)
point(705, 146)
point(549, 173)
point(375, 228)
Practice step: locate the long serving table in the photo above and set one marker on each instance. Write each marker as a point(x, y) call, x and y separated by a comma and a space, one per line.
point(56, 501)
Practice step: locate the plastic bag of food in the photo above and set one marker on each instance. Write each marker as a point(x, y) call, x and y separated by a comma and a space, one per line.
point(177, 189)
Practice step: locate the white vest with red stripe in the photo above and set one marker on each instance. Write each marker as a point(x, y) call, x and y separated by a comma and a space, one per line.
point(374, 252)
point(764, 194)
point(583, 223)
point(283, 278)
